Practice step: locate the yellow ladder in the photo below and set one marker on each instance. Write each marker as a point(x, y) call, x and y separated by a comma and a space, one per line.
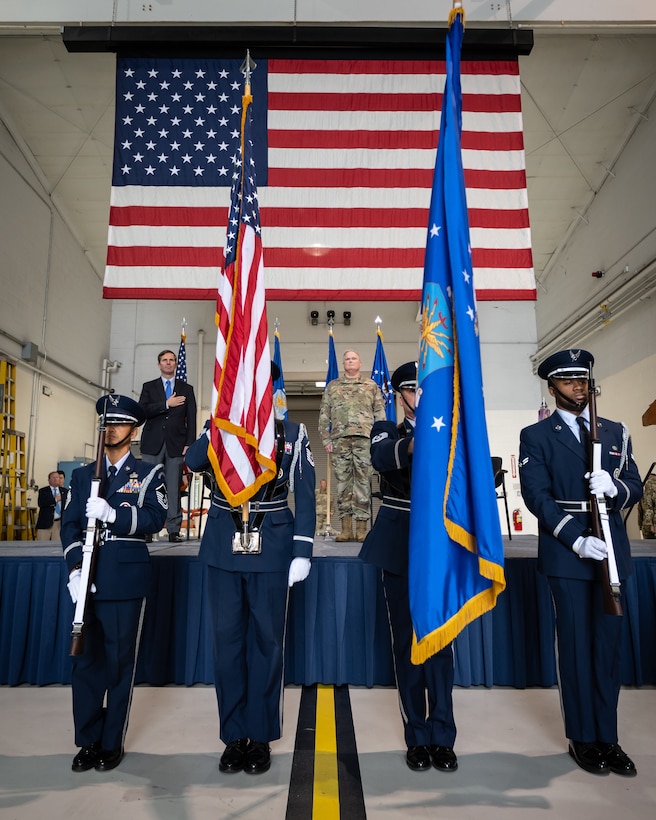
point(15, 522)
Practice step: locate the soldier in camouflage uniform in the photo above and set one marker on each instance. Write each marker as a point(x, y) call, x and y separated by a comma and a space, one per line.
point(349, 407)
point(646, 509)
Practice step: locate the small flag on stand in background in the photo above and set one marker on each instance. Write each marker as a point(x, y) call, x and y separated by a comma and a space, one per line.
point(279, 395)
point(333, 369)
point(381, 375)
point(242, 437)
point(456, 550)
point(181, 369)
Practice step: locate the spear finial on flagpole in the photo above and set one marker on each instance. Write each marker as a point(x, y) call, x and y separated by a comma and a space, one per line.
point(456, 11)
point(246, 68)
point(378, 322)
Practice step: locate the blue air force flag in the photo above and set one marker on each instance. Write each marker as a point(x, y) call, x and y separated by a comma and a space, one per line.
point(279, 395)
point(456, 550)
point(333, 369)
point(381, 375)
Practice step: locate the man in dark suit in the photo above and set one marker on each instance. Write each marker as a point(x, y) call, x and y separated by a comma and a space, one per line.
point(429, 736)
point(131, 503)
point(247, 596)
point(170, 408)
point(51, 500)
point(556, 484)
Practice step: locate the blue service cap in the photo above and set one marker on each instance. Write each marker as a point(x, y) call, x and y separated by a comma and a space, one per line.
point(567, 364)
point(405, 376)
point(120, 410)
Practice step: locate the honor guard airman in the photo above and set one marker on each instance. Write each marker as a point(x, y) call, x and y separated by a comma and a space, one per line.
point(557, 483)
point(131, 503)
point(248, 579)
point(429, 730)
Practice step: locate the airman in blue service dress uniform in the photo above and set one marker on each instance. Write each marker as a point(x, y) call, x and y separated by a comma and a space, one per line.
point(133, 503)
point(248, 594)
point(429, 737)
point(556, 486)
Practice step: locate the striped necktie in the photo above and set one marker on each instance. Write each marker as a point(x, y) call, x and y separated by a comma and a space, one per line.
point(168, 391)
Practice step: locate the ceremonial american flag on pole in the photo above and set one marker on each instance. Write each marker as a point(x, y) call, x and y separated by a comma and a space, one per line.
point(181, 367)
point(345, 152)
point(242, 437)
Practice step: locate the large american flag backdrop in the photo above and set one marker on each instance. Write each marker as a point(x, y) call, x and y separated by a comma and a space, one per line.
point(345, 152)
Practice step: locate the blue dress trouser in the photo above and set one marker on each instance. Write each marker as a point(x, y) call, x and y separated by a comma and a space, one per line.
point(589, 654)
point(435, 676)
point(112, 631)
point(248, 612)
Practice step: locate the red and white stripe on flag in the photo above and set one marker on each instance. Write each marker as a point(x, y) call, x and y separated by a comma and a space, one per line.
point(242, 433)
point(351, 154)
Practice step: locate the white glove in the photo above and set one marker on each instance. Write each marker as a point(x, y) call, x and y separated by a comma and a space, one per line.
point(299, 569)
point(601, 482)
point(74, 584)
point(590, 547)
point(99, 509)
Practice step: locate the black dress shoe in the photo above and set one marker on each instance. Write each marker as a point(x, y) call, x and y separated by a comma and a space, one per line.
point(617, 759)
point(589, 757)
point(258, 758)
point(108, 759)
point(443, 758)
point(418, 758)
point(148, 538)
point(232, 759)
point(175, 537)
point(86, 758)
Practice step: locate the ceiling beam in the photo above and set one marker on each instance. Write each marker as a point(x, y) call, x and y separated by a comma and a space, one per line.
point(313, 42)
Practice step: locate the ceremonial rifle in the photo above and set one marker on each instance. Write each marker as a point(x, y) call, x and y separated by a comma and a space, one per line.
point(92, 542)
point(599, 514)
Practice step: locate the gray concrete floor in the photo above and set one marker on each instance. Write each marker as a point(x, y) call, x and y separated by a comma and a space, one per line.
point(512, 753)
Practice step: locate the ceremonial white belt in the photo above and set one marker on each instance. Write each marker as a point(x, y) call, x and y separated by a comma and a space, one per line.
point(253, 506)
point(396, 503)
point(123, 538)
point(574, 506)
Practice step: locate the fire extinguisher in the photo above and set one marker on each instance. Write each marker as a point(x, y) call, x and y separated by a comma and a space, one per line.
point(517, 520)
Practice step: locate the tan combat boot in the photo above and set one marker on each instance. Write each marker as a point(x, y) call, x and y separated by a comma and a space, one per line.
point(347, 529)
point(360, 530)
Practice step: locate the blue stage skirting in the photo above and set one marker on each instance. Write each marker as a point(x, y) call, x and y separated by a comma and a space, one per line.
point(337, 632)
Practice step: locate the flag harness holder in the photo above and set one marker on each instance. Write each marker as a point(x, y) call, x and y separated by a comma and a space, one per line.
point(247, 539)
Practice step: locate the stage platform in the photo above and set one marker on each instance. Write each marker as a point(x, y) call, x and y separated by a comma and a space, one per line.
point(337, 627)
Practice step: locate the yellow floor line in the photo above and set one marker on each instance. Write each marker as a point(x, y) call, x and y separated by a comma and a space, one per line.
point(326, 785)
